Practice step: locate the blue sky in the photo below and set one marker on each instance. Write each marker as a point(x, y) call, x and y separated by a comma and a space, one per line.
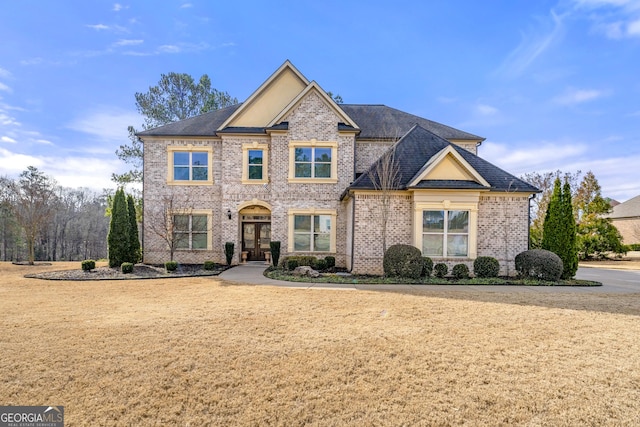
point(550, 84)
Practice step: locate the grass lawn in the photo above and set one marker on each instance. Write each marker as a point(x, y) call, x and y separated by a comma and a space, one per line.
point(202, 352)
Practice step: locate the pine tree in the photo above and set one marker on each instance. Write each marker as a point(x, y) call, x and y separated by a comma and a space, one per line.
point(551, 229)
point(118, 239)
point(134, 243)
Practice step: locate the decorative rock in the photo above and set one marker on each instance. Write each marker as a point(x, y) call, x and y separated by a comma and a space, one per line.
point(305, 271)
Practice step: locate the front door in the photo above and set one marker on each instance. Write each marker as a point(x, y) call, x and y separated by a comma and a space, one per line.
point(256, 237)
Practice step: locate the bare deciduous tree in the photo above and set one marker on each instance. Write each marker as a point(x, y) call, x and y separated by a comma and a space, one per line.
point(163, 221)
point(385, 177)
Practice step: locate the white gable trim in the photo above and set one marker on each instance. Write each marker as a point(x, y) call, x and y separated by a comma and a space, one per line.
point(327, 99)
point(438, 158)
point(246, 104)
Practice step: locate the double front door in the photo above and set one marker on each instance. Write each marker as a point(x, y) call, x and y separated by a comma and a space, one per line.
point(256, 237)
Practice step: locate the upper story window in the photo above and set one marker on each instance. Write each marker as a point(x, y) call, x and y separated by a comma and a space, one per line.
point(445, 233)
point(313, 161)
point(255, 160)
point(189, 165)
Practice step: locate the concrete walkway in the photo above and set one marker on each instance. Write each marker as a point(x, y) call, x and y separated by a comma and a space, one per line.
point(252, 274)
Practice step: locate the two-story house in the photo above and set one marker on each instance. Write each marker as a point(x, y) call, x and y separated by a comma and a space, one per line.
point(290, 164)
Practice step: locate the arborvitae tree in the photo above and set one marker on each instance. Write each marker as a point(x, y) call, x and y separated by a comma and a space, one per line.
point(551, 230)
point(134, 244)
point(570, 256)
point(118, 240)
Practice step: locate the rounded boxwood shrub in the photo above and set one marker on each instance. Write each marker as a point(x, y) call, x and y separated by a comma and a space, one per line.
point(539, 264)
point(460, 271)
point(88, 264)
point(320, 265)
point(292, 264)
point(171, 265)
point(403, 261)
point(126, 267)
point(331, 261)
point(209, 265)
point(486, 266)
point(440, 270)
point(427, 266)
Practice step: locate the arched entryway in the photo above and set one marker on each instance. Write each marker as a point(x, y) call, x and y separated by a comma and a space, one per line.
point(255, 226)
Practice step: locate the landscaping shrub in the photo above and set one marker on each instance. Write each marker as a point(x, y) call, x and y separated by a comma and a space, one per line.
point(228, 252)
point(634, 247)
point(427, 266)
point(539, 264)
point(275, 252)
point(440, 270)
point(171, 266)
point(403, 261)
point(486, 266)
point(460, 271)
point(330, 260)
point(88, 264)
point(209, 265)
point(320, 265)
point(126, 267)
point(292, 264)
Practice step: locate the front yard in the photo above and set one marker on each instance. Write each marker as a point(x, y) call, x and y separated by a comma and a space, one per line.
point(199, 351)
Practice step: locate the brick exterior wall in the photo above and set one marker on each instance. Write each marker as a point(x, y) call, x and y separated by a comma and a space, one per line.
point(629, 228)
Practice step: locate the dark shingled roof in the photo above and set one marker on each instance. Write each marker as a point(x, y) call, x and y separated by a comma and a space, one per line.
point(380, 121)
point(415, 149)
point(202, 125)
point(374, 121)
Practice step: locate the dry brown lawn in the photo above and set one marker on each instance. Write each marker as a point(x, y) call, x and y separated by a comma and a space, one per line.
point(192, 352)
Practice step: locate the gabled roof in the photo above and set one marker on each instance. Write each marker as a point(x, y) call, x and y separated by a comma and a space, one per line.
point(380, 121)
point(628, 209)
point(415, 149)
point(202, 125)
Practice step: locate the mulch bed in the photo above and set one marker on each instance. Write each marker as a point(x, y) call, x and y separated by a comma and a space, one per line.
point(140, 271)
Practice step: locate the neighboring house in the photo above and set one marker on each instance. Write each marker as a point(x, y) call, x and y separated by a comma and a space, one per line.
point(291, 165)
point(626, 218)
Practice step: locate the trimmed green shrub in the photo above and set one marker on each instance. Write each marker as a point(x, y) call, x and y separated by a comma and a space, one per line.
point(275, 252)
point(539, 264)
point(403, 261)
point(320, 265)
point(292, 264)
point(171, 266)
point(88, 264)
point(126, 267)
point(460, 271)
point(330, 260)
point(486, 266)
point(134, 240)
point(427, 266)
point(228, 252)
point(633, 247)
point(118, 240)
point(440, 270)
point(209, 265)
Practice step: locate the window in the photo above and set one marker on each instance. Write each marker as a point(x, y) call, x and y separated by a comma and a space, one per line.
point(312, 230)
point(188, 165)
point(313, 161)
point(191, 231)
point(254, 163)
point(445, 233)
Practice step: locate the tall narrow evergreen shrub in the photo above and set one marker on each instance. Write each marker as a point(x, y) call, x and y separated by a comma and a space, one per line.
point(559, 229)
point(570, 258)
point(134, 241)
point(275, 252)
point(118, 238)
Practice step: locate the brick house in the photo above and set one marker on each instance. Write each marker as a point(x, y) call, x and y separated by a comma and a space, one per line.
point(626, 218)
point(291, 165)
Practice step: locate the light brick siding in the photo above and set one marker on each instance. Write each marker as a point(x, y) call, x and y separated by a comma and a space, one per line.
point(367, 246)
point(629, 228)
point(310, 119)
point(368, 152)
point(503, 229)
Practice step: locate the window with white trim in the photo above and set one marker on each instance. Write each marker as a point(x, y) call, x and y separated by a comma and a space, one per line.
point(445, 233)
point(191, 231)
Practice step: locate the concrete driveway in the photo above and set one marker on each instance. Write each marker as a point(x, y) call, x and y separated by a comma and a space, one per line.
point(613, 281)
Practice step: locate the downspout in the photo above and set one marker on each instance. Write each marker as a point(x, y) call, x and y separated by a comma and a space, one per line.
point(353, 230)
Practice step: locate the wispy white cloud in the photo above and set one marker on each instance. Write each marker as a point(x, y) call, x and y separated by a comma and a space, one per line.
point(7, 120)
point(98, 27)
point(534, 44)
point(578, 96)
point(117, 7)
point(186, 5)
point(44, 142)
point(4, 73)
point(169, 48)
point(4, 87)
point(107, 123)
point(616, 19)
point(128, 42)
point(486, 110)
point(8, 140)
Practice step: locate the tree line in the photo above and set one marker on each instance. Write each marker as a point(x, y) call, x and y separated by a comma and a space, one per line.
point(40, 220)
